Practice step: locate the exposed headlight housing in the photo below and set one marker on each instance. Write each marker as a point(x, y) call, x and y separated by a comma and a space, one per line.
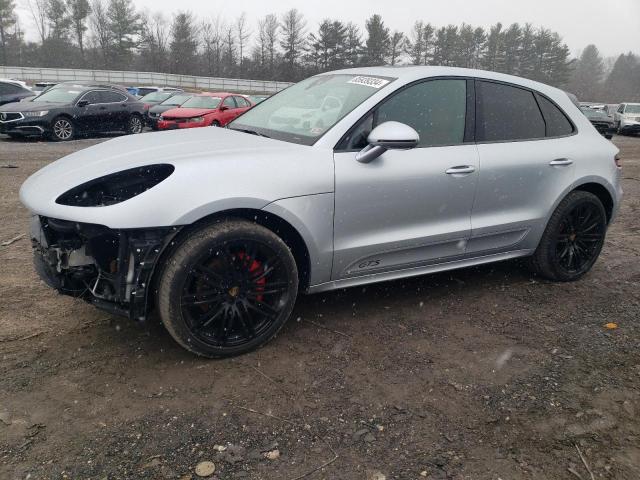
point(40, 113)
point(116, 187)
point(196, 119)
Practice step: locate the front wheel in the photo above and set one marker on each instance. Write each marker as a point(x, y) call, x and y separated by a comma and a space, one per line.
point(134, 125)
point(62, 129)
point(573, 239)
point(227, 289)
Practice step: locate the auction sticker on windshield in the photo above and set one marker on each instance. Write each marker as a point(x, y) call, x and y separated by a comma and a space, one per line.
point(369, 81)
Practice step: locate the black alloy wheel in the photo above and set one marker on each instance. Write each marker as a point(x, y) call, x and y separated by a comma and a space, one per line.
point(580, 237)
point(573, 238)
point(228, 289)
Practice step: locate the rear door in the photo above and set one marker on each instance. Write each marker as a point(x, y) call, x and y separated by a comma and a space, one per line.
point(117, 109)
point(92, 117)
point(526, 163)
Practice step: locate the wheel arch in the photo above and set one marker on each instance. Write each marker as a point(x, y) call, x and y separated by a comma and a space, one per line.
point(275, 223)
point(603, 195)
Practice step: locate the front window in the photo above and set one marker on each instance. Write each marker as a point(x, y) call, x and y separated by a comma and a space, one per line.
point(305, 111)
point(156, 97)
point(202, 102)
point(58, 95)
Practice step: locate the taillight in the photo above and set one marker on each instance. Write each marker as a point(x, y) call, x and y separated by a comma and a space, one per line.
point(618, 160)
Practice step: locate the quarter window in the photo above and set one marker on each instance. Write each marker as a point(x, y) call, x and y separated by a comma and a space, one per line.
point(557, 123)
point(507, 113)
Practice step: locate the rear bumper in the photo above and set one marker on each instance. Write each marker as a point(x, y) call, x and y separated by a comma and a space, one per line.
point(111, 269)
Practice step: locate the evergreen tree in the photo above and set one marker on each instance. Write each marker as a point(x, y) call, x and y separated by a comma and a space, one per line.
point(378, 43)
point(586, 80)
point(353, 46)
point(184, 43)
point(621, 85)
point(493, 52)
point(397, 45)
point(124, 27)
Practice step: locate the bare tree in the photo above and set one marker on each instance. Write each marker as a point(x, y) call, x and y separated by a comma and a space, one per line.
point(99, 22)
point(154, 35)
point(211, 32)
point(38, 9)
point(293, 40)
point(79, 10)
point(243, 35)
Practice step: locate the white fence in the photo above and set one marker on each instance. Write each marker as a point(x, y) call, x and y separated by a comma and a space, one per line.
point(142, 78)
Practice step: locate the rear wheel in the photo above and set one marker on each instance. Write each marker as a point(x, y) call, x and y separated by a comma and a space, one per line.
point(227, 289)
point(573, 238)
point(62, 129)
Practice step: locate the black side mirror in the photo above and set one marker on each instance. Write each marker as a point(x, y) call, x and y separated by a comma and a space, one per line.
point(83, 103)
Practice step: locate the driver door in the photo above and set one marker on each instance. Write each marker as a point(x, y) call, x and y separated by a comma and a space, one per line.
point(408, 208)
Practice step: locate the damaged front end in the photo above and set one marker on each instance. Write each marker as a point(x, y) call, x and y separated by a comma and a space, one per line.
point(111, 269)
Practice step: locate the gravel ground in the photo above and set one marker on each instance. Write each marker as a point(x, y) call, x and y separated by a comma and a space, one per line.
point(483, 373)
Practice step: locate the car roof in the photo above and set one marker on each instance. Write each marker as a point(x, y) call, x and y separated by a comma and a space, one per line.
point(410, 73)
point(630, 103)
point(213, 94)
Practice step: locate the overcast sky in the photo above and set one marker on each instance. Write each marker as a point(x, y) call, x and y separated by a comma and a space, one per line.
point(613, 25)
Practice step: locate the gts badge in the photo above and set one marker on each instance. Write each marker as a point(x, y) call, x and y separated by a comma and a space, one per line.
point(369, 264)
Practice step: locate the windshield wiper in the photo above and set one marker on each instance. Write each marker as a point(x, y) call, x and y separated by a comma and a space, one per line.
point(251, 132)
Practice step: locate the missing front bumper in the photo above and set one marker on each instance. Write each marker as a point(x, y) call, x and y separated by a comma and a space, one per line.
point(111, 269)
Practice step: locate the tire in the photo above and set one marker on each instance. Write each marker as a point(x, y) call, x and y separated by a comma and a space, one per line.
point(227, 289)
point(62, 129)
point(135, 125)
point(573, 239)
point(215, 123)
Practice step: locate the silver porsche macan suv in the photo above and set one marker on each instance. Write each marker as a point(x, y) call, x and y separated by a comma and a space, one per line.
point(343, 179)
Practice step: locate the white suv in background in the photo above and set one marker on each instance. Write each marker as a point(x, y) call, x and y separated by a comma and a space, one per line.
point(627, 118)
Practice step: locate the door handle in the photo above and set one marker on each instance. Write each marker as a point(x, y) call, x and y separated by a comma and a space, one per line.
point(561, 162)
point(461, 170)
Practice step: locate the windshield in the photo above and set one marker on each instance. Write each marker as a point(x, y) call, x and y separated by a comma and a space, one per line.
point(156, 97)
point(305, 111)
point(202, 101)
point(58, 95)
point(592, 113)
point(176, 100)
point(632, 109)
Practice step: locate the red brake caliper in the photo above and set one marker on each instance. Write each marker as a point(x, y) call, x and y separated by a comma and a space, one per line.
point(255, 269)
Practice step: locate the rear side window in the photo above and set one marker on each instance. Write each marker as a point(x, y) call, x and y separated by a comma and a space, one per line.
point(112, 97)
point(242, 102)
point(507, 113)
point(558, 125)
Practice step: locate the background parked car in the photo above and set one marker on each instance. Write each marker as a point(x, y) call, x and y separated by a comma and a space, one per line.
point(627, 118)
point(153, 114)
point(159, 96)
point(63, 112)
point(601, 120)
point(143, 91)
point(40, 87)
point(256, 99)
point(13, 92)
point(205, 110)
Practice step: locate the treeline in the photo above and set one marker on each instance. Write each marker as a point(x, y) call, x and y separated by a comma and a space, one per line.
point(113, 34)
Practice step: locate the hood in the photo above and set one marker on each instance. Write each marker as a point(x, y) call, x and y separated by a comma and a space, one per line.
point(212, 165)
point(162, 108)
point(188, 112)
point(31, 106)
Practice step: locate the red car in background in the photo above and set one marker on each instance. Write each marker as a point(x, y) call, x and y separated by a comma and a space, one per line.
point(205, 110)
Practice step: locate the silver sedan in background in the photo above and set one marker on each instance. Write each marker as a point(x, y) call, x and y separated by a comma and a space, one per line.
point(343, 179)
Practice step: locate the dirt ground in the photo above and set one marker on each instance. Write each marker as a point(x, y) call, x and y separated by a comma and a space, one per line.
point(484, 373)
